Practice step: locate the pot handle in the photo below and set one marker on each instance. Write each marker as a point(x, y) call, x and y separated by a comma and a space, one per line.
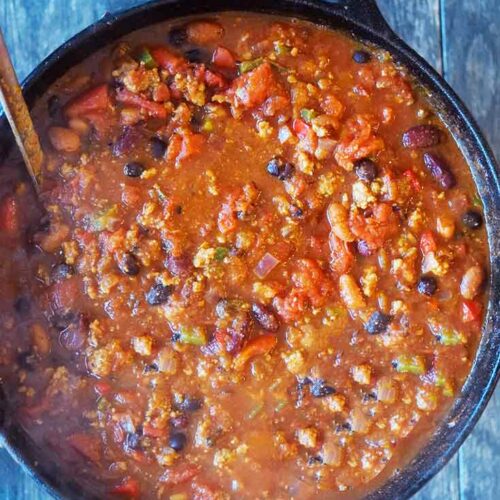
point(364, 12)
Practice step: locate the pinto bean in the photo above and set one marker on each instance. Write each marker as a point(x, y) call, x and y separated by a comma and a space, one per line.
point(350, 292)
point(338, 218)
point(421, 136)
point(471, 282)
point(64, 139)
point(440, 171)
point(203, 32)
point(266, 318)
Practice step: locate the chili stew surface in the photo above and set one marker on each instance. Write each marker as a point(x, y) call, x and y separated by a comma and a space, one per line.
point(255, 270)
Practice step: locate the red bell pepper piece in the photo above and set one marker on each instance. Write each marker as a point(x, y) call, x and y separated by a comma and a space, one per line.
point(94, 99)
point(301, 128)
point(256, 347)
point(427, 243)
point(129, 488)
point(153, 109)
point(471, 311)
point(102, 388)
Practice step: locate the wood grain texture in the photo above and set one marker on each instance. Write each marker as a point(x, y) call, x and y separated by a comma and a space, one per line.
point(471, 40)
point(469, 33)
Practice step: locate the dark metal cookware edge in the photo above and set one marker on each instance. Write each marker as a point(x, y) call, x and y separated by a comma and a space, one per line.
point(363, 19)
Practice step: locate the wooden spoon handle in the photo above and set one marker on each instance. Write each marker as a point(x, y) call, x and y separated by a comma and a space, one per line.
point(18, 115)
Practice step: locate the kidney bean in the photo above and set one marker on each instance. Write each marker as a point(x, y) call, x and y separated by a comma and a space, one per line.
point(265, 317)
point(361, 56)
point(177, 36)
point(128, 264)
point(440, 171)
point(366, 169)
point(471, 282)
point(421, 136)
point(378, 323)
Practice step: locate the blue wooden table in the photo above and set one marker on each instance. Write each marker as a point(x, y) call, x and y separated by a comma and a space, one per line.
point(460, 38)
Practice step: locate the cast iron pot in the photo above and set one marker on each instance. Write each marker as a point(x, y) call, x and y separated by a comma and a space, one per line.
point(363, 19)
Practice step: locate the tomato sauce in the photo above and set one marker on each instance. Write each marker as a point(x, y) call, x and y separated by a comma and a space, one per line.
point(256, 268)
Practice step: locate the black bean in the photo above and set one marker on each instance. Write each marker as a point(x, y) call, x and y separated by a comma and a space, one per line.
point(472, 219)
point(132, 441)
point(177, 36)
point(427, 285)
point(378, 323)
point(128, 264)
point(266, 318)
point(133, 169)
point(191, 403)
point(177, 441)
point(280, 168)
point(53, 105)
point(295, 211)
point(158, 147)
point(361, 56)
point(439, 170)
point(319, 389)
point(22, 305)
point(421, 136)
point(159, 294)
point(366, 169)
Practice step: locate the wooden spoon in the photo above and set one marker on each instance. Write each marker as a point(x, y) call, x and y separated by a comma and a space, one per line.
point(18, 115)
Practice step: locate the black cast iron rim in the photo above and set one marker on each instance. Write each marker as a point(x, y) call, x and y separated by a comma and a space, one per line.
point(364, 21)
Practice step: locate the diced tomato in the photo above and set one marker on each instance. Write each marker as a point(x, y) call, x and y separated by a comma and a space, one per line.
point(161, 93)
point(306, 135)
point(427, 243)
point(86, 445)
point(256, 347)
point(413, 179)
point(253, 88)
point(128, 488)
point(153, 109)
point(223, 58)
point(471, 311)
point(9, 216)
point(94, 99)
point(300, 127)
point(149, 430)
point(102, 388)
point(168, 60)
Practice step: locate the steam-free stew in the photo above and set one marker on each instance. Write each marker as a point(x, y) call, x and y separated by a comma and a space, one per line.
point(255, 270)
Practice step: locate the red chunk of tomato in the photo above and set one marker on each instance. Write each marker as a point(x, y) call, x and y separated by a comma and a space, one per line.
point(471, 311)
point(412, 178)
point(92, 100)
point(253, 88)
point(179, 474)
point(128, 488)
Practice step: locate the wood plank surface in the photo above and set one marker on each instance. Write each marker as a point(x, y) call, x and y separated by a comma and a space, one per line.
point(460, 38)
point(471, 42)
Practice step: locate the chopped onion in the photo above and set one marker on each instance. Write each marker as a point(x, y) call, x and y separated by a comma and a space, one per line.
point(266, 265)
